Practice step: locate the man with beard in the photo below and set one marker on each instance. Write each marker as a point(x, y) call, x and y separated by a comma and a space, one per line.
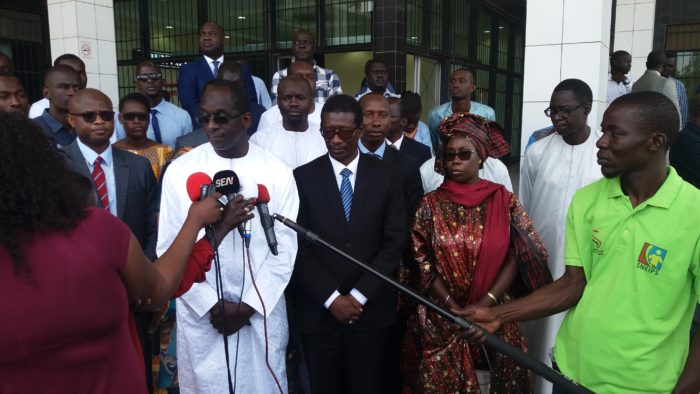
point(60, 84)
point(629, 235)
point(461, 86)
point(168, 121)
point(295, 140)
point(13, 97)
point(553, 169)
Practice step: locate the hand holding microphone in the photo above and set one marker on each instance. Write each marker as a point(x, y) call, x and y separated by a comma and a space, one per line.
point(205, 208)
point(236, 211)
point(228, 183)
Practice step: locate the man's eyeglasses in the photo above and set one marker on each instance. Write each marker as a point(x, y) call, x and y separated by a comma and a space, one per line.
point(91, 116)
point(463, 155)
point(344, 134)
point(218, 119)
point(149, 76)
point(142, 116)
point(561, 111)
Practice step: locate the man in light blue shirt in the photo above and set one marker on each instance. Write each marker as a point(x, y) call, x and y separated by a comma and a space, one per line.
point(461, 86)
point(168, 121)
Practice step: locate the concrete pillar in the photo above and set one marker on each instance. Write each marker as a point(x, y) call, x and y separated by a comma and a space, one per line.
point(634, 32)
point(86, 28)
point(564, 39)
point(390, 38)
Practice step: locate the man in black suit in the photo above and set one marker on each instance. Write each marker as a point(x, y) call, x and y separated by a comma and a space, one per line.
point(395, 137)
point(124, 182)
point(355, 202)
point(376, 121)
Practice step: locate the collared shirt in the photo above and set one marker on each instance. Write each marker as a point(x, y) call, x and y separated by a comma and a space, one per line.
point(617, 89)
point(327, 83)
point(54, 129)
point(174, 122)
point(629, 331)
point(379, 152)
point(682, 100)
point(261, 91)
point(388, 93)
point(38, 108)
point(423, 136)
point(211, 64)
point(337, 168)
point(107, 167)
point(396, 144)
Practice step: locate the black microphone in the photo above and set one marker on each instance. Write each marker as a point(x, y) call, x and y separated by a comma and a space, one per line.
point(228, 184)
point(308, 234)
point(265, 219)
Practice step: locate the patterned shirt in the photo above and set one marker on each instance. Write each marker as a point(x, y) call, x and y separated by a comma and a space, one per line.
point(327, 83)
point(682, 100)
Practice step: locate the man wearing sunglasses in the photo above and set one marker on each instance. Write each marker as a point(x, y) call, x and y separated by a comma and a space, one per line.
point(60, 84)
point(224, 115)
point(168, 122)
point(123, 182)
point(355, 202)
point(553, 168)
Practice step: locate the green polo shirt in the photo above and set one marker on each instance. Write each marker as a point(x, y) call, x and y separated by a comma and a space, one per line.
point(629, 332)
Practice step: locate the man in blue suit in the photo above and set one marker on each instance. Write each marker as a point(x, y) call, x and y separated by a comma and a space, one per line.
point(195, 74)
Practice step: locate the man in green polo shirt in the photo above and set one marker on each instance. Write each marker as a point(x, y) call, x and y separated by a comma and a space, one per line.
point(632, 264)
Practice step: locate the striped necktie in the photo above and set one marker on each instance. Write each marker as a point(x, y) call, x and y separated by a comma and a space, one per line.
point(346, 192)
point(98, 176)
point(215, 63)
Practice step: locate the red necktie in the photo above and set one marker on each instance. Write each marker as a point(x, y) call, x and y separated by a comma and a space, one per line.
point(98, 176)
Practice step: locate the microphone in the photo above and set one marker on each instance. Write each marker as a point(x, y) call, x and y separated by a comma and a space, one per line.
point(308, 234)
point(229, 184)
point(198, 186)
point(265, 218)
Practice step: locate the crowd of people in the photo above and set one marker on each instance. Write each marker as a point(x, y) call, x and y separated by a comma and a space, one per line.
point(559, 270)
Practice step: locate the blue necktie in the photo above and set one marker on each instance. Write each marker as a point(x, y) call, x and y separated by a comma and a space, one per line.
point(156, 126)
point(216, 67)
point(346, 192)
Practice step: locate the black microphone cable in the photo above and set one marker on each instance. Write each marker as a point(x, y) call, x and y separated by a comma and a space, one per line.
point(220, 301)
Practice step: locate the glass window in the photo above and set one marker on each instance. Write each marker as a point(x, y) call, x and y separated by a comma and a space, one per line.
point(348, 22)
point(519, 52)
point(429, 83)
point(460, 36)
point(503, 40)
point(516, 117)
point(436, 25)
point(127, 30)
point(293, 15)
point(500, 100)
point(483, 33)
point(424, 23)
point(174, 28)
point(243, 22)
point(482, 86)
point(414, 22)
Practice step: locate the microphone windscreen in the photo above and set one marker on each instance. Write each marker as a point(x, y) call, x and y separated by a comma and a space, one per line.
point(194, 182)
point(249, 188)
point(226, 182)
point(263, 194)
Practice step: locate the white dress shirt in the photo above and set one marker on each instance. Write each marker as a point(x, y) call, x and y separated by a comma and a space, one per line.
point(210, 62)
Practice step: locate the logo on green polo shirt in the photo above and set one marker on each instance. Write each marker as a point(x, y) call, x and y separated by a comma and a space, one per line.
point(597, 244)
point(651, 258)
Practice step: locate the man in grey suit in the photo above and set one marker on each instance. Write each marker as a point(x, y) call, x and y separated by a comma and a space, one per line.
point(652, 80)
point(123, 182)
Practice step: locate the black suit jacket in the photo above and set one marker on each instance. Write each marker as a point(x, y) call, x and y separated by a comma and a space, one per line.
point(685, 154)
point(137, 192)
point(409, 171)
point(416, 150)
point(376, 234)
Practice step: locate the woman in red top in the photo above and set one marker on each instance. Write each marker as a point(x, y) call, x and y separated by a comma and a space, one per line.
point(68, 274)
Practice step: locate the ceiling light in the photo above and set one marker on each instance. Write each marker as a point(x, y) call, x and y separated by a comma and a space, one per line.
point(487, 31)
point(227, 37)
point(414, 38)
point(241, 17)
point(169, 27)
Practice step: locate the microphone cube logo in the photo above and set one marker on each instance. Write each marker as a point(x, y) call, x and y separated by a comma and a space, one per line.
point(651, 258)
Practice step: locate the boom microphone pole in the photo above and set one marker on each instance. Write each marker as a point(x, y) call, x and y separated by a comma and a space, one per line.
point(493, 341)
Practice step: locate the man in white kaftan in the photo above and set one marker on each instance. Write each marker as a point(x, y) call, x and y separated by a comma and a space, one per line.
point(294, 139)
point(200, 347)
point(553, 169)
point(294, 148)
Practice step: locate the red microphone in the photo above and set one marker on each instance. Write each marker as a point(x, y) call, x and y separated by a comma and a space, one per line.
point(198, 186)
point(265, 218)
